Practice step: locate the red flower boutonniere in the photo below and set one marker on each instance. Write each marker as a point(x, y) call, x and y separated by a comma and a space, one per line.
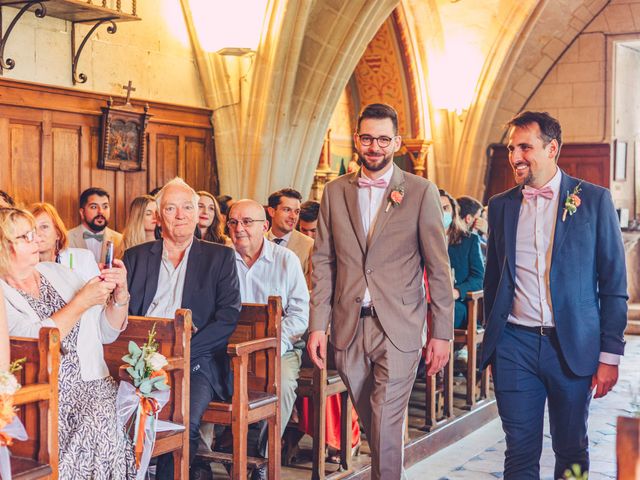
point(572, 202)
point(395, 197)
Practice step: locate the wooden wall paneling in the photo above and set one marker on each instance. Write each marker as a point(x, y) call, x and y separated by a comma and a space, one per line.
point(25, 167)
point(167, 158)
point(152, 161)
point(103, 178)
point(62, 188)
point(5, 154)
point(46, 153)
point(195, 163)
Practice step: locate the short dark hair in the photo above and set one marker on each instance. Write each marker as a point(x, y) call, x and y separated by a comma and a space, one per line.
point(309, 211)
point(84, 196)
point(469, 206)
point(223, 203)
point(7, 198)
point(379, 111)
point(274, 198)
point(549, 127)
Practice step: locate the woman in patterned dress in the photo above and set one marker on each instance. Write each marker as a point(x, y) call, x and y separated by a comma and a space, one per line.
point(88, 314)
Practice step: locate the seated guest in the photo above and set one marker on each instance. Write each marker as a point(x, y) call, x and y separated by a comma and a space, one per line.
point(284, 210)
point(210, 221)
point(308, 223)
point(52, 243)
point(224, 202)
point(5, 356)
point(471, 213)
point(93, 231)
point(181, 271)
point(6, 200)
point(141, 223)
point(265, 269)
point(88, 314)
point(464, 255)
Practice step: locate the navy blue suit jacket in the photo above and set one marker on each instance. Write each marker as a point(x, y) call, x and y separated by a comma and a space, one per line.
point(211, 292)
point(588, 275)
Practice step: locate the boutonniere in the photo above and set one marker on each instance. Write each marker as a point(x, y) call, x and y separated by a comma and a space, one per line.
point(572, 202)
point(395, 197)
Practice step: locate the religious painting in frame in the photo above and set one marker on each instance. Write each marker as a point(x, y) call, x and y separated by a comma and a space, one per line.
point(123, 138)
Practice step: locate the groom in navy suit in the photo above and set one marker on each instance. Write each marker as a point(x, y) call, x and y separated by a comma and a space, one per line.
point(555, 300)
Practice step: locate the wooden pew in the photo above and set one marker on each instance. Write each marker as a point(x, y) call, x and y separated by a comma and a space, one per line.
point(174, 342)
point(319, 384)
point(438, 398)
point(628, 448)
point(254, 349)
point(37, 402)
point(471, 337)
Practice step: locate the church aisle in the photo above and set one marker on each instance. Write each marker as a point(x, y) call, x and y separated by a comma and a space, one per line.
point(480, 456)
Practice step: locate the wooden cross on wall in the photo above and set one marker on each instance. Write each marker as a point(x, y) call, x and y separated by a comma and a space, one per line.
point(129, 88)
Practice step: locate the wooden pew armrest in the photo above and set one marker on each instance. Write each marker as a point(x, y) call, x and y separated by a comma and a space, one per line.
point(251, 346)
point(32, 393)
point(475, 295)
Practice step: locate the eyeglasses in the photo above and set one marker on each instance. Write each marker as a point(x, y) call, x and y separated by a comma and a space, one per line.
point(246, 222)
point(383, 141)
point(28, 237)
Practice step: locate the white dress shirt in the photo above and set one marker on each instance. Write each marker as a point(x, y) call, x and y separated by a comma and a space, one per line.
point(92, 244)
point(370, 201)
point(534, 246)
point(284, 240)
point(81, 261)
point(278, 272)
point(168, 297)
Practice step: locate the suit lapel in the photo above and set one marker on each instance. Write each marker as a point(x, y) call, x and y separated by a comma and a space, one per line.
point(353, 207)
point(511, 215)
point(567, 184)
point(384, 214)
point(193, 272)
point(153, 272)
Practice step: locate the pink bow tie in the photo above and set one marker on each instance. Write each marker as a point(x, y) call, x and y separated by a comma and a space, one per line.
point(531, 193)
point(366, 183)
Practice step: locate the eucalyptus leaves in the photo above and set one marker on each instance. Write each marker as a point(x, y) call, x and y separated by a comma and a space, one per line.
point(146, 365)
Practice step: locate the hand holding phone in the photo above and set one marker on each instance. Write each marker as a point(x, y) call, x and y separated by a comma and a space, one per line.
point(108, 256)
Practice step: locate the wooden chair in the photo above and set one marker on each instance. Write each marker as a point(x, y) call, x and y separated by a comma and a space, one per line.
point(37, 401)
point(254, 349)
point(174, 342)
point(471, 337)
point(319, 384)
point(438, 398)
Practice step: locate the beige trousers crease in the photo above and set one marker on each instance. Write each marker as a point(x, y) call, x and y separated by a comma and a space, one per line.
point(379, 378)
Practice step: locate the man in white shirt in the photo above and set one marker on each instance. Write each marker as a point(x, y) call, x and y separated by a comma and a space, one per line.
point(93, 231)
point(284, 209)
point(264, 269)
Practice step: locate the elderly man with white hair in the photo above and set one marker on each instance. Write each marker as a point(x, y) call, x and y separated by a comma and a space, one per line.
point(181, 271)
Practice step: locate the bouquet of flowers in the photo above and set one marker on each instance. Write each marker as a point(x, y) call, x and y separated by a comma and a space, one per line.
point(145, 398)
point(10, 426)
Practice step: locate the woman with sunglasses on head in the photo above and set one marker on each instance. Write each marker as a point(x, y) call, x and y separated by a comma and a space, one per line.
point(87, 314)
point(53, 243)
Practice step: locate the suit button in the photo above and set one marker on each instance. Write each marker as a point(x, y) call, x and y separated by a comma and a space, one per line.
point(369, 271)
point(358, 300)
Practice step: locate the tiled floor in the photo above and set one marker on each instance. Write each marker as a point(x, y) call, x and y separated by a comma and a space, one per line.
point(480, 456)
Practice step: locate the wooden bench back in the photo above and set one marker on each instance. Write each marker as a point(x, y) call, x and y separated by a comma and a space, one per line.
point(259, 321)
point(37, 400)
point(174, 342)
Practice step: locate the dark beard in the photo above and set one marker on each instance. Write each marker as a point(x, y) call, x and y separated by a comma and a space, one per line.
point(376, 167)
point(97, 228)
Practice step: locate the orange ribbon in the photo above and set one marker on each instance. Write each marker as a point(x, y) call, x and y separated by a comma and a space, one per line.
point(149, 407)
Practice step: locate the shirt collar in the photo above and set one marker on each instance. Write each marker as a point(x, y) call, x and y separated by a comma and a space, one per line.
point(554, 183)
point(266, 252)
point(165, 254)
point(386, 177)
point(286, 238)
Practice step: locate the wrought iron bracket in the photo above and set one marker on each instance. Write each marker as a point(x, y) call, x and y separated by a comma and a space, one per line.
point(40, 12)
point(75, 55)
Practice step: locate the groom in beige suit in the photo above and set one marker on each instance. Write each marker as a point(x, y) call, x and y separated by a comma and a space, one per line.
point(378, 229)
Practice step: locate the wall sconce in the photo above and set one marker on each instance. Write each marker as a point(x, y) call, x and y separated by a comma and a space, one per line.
point(229, 28)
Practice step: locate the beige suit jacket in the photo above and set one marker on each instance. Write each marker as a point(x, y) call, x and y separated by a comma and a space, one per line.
point(75, 238)
point(406, 239)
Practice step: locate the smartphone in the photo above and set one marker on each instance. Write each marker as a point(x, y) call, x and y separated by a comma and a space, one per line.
point(108, 255)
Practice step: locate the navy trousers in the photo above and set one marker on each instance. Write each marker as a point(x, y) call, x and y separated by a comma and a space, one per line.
point(528, 369)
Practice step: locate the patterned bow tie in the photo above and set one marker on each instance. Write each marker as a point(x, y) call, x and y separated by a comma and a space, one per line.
point(96, 236)
point(531, 193)
point(366, 183)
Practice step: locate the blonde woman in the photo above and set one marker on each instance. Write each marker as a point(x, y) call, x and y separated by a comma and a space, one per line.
point(53, 243)
point(141, 223)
